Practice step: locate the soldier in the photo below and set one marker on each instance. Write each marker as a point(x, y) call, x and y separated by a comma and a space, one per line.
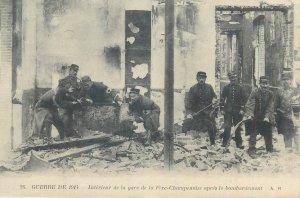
point(144, 110)
point(260, 110)
point(98, 92)
point(233, 99)
point(201, 97)
point(284, 112)
point(46, 112)
point(66, 111)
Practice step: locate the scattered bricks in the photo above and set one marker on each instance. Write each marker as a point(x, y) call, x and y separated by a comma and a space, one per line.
point(211, 152)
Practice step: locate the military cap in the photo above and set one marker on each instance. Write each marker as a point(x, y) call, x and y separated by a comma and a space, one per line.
point(134, 90)
point(85, 79)
point(232, 74)
point(263, 79)
point(74, 67)
point(201, 73)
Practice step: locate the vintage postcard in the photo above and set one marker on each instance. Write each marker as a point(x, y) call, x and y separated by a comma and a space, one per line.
point(150, 98)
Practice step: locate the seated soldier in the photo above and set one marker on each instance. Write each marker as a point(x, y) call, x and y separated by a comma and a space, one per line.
point(144, 110)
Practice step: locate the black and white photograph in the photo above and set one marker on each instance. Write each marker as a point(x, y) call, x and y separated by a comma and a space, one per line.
point(150, 98)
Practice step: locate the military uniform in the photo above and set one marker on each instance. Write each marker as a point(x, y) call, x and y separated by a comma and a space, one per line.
point(233, 99)
point(144, 107)
point(46, 114)
point(99, 93)
point(284, 114)
point(260, 105)
point(200, 97)
point(66, 110)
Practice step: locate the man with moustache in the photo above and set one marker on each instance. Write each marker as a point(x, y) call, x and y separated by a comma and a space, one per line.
point(233, 99)
point(201, 97)
point(259, 110)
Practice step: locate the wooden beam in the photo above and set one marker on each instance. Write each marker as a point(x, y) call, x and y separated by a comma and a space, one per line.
point(68, 143)
point(73, 153)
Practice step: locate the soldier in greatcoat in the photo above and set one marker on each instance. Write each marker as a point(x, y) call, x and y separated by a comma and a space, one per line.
point(259, 110)
point(284, 111)
point(144, 110)
point(233, 99)
point(201, 97)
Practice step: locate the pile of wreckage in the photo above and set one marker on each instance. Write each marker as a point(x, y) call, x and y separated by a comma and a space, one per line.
point(107, 153)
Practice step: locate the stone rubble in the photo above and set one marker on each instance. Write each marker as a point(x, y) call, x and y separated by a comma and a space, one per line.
point(191, 152)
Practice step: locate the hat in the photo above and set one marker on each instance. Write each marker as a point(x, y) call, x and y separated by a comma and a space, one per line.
point(85, 79)
point(134, 90)
point(201, 73)
point(74, 67)
point(232, 74)
point(263, 79)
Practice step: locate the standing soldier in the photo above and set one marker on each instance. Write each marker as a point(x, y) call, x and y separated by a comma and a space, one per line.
point(260, 110)
point(144, 110)
point(284, 112)
point(66, 111)
point(233, 99)
point(200, 108)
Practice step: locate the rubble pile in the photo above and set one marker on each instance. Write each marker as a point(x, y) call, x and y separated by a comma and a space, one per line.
point(192, 152)
point(199, 155)
point(128, 156)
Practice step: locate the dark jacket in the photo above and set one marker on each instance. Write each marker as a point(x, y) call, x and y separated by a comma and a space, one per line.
point(65, 100)
point(260, 105)
point(144, 107)
point(233, 98)
point(54, 98)
point(75, 82)
point(199, 97)
point(283, 102)
point(143, 104)
point(99, 93)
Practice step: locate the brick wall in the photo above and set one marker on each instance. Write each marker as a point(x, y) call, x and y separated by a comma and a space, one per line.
point(5, 70)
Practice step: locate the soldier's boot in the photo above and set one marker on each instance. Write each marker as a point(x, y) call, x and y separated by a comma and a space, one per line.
point(268, 142)
point(252, 145)
point(212, 136)
point(251, 152)
point(46, 132)
point(148, 138)
point(226, 136)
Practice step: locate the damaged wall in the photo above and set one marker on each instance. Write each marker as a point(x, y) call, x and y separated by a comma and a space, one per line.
point(87, 33)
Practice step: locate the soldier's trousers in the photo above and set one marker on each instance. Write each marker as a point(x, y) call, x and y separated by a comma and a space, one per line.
point(255, 127)
point(201, 123)
point(151, 121)
point(44, 118)
point(285, 126)
point(67, 119)
point(229, 119)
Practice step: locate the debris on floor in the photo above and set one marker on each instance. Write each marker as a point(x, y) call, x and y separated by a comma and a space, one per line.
point(117, 154)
